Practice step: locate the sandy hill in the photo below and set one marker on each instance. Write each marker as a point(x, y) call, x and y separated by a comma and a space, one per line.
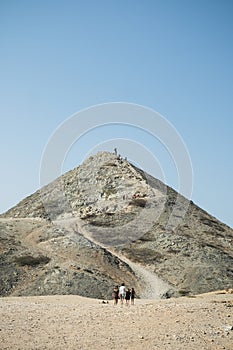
point(106, 222)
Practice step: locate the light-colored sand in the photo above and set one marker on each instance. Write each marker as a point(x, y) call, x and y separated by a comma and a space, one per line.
point(72, 322)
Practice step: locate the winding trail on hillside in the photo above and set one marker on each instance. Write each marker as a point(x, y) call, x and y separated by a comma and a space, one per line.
point(153, 287)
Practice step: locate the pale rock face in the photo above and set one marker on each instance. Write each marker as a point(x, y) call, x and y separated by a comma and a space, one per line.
point(109, 192)
point(105, 184)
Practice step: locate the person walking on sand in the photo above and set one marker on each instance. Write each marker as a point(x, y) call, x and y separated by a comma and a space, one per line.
point(132, 296)
point(115, 295)
point(127, 296)
point(122, 292)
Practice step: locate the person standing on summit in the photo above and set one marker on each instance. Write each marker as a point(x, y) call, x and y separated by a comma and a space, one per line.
point(122, 292)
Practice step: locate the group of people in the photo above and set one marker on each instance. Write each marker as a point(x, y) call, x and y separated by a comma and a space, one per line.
point(123, 294)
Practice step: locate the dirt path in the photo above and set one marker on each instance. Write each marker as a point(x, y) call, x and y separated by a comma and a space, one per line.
point(152, 286)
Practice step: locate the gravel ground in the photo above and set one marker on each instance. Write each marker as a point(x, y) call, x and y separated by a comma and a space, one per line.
point(203, 322)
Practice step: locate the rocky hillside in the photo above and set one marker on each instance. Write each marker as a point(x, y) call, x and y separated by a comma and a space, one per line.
point(90, 228)
point(41, 258)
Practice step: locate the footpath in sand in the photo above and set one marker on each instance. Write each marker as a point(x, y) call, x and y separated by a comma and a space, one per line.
point(204, 322)
point(153, 287)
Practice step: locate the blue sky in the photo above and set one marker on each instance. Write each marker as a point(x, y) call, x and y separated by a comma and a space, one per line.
point(59, 57)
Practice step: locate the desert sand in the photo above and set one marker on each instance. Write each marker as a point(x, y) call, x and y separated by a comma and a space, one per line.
point(202, 322)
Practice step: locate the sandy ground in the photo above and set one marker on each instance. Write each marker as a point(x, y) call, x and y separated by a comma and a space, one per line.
point(70, 322)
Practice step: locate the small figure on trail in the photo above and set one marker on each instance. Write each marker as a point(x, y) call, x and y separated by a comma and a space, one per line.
point(122, 292)
point(115, 151)
point(132, 296)
point(127, 296)
point(115, 295)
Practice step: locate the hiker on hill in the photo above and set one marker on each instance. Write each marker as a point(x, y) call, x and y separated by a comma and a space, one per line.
point(122, 292)
point(132, 296)
point(115, 295)
point(127, 296)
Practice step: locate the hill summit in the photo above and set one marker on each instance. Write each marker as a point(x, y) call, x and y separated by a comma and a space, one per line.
point(107, 221)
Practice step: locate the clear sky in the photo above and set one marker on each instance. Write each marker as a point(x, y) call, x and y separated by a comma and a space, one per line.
point(174, 56)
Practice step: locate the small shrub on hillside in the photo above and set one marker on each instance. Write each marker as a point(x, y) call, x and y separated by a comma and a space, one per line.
point(28, 260)
point(138, 202)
